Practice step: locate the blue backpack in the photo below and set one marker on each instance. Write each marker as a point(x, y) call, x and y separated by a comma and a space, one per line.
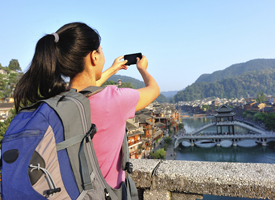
point(47, 153)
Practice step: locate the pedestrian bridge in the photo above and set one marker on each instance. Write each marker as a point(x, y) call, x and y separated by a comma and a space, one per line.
point(194, 136)
point(260, 138)
point(229, 123)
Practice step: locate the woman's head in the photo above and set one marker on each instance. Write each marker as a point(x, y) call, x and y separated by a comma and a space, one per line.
point(54, 60)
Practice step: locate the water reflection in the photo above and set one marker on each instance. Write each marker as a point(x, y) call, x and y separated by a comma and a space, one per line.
point(256, 154)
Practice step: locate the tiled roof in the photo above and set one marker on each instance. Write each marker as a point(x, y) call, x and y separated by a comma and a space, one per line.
point(130, 126)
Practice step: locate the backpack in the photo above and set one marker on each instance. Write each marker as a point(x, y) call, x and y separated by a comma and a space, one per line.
point(47, 153)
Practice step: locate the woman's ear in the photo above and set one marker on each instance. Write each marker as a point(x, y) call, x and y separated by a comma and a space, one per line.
point(93, 57)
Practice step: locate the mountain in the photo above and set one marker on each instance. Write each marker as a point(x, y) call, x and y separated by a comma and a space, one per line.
point(169, 94)
point(247, 84)
point(238, 69)
point(162, 99)
point(135, 82)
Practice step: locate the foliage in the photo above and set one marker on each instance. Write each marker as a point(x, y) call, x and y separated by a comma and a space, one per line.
point(205, 107)
point(249, 114)
point(109, 83)
point(270, 121)
point(136, 83)
point(159, 154)
point(168, 140)
point(4, 125)
point(181, 126)
point(7, 84)
point(165, 146)
point(14, 65)
point(238, 69)
point(123, 85)
point(240, 86)
point(260, 98)
point(260, 117)
point(126, 85)
point(172, 100)
point(162, 99)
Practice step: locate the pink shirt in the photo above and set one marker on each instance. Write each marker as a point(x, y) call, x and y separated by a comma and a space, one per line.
point(110, 109)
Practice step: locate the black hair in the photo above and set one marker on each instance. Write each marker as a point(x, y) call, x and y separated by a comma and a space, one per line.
point(52, 61)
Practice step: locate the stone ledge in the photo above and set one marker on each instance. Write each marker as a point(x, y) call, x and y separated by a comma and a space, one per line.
point(250, 180)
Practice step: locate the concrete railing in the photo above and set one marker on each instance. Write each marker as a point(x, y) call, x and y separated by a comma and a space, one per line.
point(173, 180)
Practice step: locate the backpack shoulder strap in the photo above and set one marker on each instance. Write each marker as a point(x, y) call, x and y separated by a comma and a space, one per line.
point(91, 90)
point(127, 166)
point(125, 153)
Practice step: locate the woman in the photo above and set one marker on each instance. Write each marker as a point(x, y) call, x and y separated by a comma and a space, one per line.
point(74, 51)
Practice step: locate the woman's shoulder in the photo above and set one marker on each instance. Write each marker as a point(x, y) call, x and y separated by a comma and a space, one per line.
point(114, 88)
point(113, 91)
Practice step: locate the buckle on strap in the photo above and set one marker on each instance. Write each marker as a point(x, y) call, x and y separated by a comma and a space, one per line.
point(90, 134)
point(129, 167)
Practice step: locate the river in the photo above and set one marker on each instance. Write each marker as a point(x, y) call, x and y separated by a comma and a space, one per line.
point(252, 154)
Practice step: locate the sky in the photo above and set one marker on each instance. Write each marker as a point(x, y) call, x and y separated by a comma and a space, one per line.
point(181, 39)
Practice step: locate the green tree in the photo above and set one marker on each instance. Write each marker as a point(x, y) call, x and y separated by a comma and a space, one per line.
point(262, 97)
point(168, 140)
point(181, 126)
point(126, 85)
point(4, 125)
point(109, 83)
point(270, 121)
point(205, 107)
point(159, 154)
point(161, 99)
point(260, 117)
point(14, 65)
point(3, 85)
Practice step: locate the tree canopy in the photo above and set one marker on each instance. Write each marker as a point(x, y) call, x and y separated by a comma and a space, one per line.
point(241, 86)
point(14, 65)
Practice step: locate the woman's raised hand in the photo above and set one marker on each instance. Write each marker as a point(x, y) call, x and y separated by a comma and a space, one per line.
point(118, 64)
point(142, 63)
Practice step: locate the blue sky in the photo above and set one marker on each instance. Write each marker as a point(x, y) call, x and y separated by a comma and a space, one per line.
point(182, 39)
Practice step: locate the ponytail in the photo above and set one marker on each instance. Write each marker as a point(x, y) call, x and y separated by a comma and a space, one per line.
point(52, 60)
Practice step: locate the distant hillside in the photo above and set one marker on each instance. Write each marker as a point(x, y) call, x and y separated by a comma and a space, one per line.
point(162, 99)
point(169, 94)
point(240, 86)
point(238, 69)
point(135, 82)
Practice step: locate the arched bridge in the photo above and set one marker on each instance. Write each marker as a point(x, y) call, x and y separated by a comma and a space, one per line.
point(218, 138)
point(235, 123)
point(260, 135)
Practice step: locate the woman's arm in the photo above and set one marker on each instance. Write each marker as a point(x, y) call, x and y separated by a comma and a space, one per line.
point(117, 65)
point(149, 93)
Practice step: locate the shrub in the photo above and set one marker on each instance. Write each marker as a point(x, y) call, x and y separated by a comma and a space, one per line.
point(165, 146)
point(168, 140)
point(159, 154)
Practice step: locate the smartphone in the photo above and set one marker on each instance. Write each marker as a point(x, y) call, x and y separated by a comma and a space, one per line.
point(132, 58)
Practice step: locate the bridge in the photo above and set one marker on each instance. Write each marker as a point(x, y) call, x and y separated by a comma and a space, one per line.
point(263, 139)
point(229, 123)
point(259, 137)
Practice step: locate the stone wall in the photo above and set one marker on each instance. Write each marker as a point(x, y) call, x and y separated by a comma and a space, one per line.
point(173, 180)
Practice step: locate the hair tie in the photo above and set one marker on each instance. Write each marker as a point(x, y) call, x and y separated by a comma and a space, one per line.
point(56, 37)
